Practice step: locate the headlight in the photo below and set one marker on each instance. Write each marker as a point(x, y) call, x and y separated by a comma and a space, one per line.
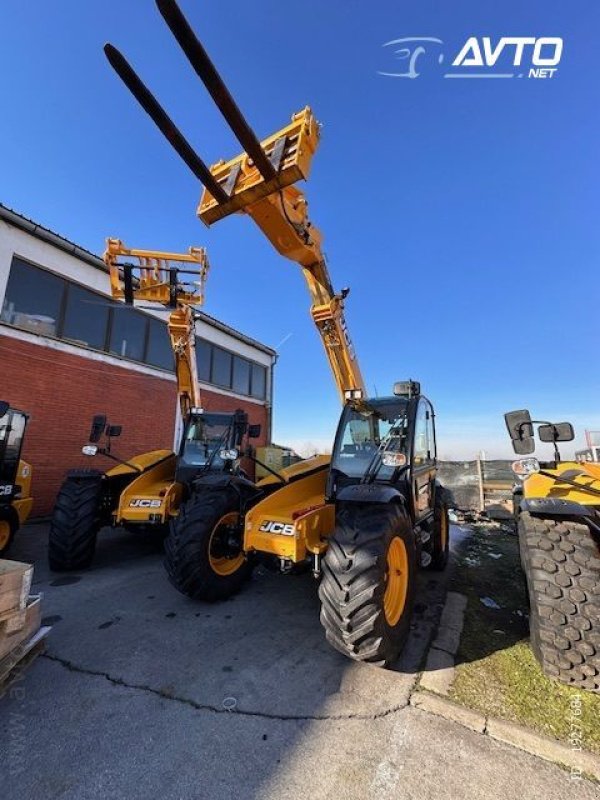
point(525, 467)
point(228, 455)
point(89, 450)
point(393, 459)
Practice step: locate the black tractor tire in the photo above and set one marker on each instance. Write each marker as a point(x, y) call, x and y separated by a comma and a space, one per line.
point(354, 581)
point(75, 524)
point(440, 551)
point(561, 561)
point(188, 546)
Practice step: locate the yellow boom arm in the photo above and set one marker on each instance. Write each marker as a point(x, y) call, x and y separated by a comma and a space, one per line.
point(259, 182)
point(157, 278)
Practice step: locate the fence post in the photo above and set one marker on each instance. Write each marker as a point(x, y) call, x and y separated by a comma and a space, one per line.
point(480, 480)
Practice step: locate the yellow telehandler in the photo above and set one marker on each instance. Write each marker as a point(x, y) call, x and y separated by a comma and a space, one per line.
point(368, 516)
point(144, 492)
point(15, 475)
point(557, 509)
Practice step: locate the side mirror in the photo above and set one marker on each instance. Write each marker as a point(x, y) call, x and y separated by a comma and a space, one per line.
point(98, 426)
point(4, 406)
point(114, 430)
point(89, 450)
point(254, 431)
point(561, 432)
point(520, 430)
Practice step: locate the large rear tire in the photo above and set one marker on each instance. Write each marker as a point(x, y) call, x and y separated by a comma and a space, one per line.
point(75, 524)
point(561, 561)
point(368, 585)
point(8, 529)
point(203, 551)
point(441, 531)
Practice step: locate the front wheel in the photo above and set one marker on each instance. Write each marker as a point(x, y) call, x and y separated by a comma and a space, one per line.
point(75, 524)
point(7, 532)
point(561, 561)
point(204, 556)
point(368, 585)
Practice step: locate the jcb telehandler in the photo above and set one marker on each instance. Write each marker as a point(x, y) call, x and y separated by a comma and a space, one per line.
point(370, 514)
point(15, 475)
point(143, 493)
point(557, 508)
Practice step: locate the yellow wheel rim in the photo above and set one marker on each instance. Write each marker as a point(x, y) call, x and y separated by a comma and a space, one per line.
point(222, 565)
point(396, 588)
point(4, 533)
point(444, 530)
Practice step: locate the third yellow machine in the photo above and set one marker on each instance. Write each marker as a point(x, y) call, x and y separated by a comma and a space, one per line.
point(365, 517)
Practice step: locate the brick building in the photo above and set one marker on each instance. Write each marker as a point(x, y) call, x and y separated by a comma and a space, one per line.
point(68, 351)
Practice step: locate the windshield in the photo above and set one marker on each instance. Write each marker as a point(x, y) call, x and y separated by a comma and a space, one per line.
point(203, 436)
point(366, 429)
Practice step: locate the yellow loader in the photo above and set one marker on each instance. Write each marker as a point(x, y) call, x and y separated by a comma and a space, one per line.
point(557, 509)
point(368, 516)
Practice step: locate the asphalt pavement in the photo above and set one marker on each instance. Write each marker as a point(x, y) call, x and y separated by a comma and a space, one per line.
point(144, 693)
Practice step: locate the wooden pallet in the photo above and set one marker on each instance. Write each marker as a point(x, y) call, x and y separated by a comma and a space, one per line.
point(23, 654)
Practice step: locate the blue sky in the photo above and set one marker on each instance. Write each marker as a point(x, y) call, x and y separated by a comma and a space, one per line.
point(463, 214)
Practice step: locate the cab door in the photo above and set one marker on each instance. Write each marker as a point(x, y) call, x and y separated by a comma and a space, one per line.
point(12, 428)
point(423, 461)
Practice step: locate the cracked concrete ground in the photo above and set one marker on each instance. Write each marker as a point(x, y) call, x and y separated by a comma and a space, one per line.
point(144, 693)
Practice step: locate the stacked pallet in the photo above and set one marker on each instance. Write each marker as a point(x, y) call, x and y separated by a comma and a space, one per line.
point(21, 633)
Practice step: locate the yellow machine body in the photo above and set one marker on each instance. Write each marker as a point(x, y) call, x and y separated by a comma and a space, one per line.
point(151, 496)
point(584, 474)
point(294, 520)
point(24, 501)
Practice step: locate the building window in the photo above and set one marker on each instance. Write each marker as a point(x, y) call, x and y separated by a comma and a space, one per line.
point(86, 318)
point(159, 352)
point(33, 299)
point(203, 359)
point(241, 375)
point(221, 368)
point(49, 305)
point(258, 386)
point(128, 334)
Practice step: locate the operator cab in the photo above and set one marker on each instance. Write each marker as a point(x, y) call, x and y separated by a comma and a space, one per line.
point(12, 430)
point(212, 442)
point(368, 428)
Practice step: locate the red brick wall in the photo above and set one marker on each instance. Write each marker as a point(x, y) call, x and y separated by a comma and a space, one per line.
point(62, 392)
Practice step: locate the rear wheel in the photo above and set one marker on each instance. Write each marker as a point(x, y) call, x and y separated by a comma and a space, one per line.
point(204, 555)
point(75, 524)
point(7, 532)
point(441, 531)
point(368, 584)
point(561, 561)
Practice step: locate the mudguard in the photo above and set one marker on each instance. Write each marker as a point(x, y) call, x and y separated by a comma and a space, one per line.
point(369, 493)
point(554, 507)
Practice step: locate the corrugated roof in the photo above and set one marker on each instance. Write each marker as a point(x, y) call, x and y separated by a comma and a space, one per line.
point(51, 237)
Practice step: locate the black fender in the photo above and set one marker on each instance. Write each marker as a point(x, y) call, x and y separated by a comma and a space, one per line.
point(555, 507)
point(369, 493)
point(222, 480)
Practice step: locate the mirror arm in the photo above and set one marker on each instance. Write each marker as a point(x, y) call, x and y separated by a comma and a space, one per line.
point(105, 451)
